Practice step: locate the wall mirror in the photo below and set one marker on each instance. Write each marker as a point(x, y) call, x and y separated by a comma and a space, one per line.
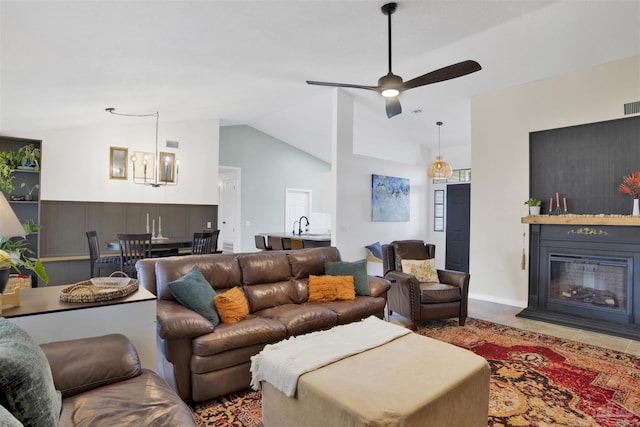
point(167, 167)
point(118, 163)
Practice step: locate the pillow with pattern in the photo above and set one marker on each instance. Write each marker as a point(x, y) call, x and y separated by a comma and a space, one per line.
point(422, 269)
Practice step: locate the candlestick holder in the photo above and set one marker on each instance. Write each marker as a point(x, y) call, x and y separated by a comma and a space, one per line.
point(557, 211)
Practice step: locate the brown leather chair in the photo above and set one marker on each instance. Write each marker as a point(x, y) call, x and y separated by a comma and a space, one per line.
point(423, 301)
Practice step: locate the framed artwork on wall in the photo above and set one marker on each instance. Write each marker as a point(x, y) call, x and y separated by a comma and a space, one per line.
point(118, 163)
point(389, 198)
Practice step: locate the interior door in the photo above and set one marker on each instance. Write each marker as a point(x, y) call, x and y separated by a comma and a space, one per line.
point(458, 227)
point(229, 230)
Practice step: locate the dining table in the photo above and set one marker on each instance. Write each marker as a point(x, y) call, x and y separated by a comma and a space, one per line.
point(166, 246)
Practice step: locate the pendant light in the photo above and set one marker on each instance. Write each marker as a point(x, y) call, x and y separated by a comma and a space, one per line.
point(439, 170)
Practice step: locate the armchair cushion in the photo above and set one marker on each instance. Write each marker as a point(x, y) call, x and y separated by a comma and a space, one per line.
point(194, 292)
point(28, 391)
point(357, 269)
point(331, 288)
point(423, 270)
point(232, 305)
point(434, 293)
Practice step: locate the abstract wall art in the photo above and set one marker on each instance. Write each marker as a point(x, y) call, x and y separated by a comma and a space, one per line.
point(389, 198)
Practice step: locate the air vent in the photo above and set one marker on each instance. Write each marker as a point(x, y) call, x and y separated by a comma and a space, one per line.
point(173, 144)
point(632, 108)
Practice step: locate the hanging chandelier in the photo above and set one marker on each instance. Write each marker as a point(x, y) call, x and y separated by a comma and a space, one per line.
point(163, 176)
point(439, 170)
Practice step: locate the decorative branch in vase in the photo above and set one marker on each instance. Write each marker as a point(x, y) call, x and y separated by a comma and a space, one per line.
point(631, 185)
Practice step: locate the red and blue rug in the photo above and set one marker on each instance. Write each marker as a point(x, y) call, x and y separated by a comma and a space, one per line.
point(537, 380)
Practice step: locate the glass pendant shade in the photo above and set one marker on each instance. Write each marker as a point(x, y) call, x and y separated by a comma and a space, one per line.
point(439, 169)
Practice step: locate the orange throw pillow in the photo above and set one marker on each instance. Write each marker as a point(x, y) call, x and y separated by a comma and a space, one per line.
point(232, 305)
point(331, 288)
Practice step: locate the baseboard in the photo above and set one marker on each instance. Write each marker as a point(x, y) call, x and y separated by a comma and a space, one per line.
point(498, 300)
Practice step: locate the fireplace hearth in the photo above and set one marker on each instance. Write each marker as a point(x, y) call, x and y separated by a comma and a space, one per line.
point(585, 277)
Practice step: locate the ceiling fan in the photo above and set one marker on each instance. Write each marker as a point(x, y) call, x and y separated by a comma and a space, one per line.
point(391, 85)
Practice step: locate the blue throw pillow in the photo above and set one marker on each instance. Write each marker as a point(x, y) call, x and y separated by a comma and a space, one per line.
point(375, 249)
point(28, 392)
point(357, 269)
point(194, 292)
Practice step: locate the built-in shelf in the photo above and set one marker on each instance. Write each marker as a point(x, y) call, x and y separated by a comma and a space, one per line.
point(573, 219)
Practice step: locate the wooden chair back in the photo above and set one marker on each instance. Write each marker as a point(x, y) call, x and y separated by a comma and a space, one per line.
point(133, 247)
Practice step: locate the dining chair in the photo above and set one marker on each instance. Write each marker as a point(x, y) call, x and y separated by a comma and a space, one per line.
point(202, 243)
point(297, 244)
point(261, 242)
point(96, 261)
point(133, 247)
point(279, 244)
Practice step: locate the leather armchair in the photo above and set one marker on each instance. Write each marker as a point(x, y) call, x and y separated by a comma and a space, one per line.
point(423, 301)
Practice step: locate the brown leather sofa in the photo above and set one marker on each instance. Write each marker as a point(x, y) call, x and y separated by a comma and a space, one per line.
point(202, 362)
point(102, 383)
point(423, 301)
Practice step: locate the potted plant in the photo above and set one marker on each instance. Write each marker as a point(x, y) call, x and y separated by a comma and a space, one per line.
point(534, 206)
point(15, 254)
point(8, 162)
point(29, 156)
point(29, 195)
point(631, 185)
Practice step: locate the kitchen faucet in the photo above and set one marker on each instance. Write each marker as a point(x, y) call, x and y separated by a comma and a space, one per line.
point(300, 225)
point(294, 227)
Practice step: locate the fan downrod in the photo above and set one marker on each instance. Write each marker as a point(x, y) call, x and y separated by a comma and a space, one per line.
point(389, 8)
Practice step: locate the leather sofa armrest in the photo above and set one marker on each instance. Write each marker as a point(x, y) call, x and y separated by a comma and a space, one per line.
point(404, 295)
point(84, 364)
point(177, 321)
point(455, 278)
point(378, 286)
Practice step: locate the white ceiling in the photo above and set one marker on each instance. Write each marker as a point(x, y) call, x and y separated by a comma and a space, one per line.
point(246, 62)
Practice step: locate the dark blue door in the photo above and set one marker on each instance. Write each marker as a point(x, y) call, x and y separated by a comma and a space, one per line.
point(458, 220)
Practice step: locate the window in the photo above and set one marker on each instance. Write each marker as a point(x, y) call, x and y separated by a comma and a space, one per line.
point(438, 210)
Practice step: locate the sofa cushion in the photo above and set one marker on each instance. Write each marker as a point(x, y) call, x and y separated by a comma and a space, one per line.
point(194, 292)
point(270, 295)
point(301, 318)
point(27, 385)
point(7, 419)
point(331, 288)
point(232, 305)
point(355, 310)
point(375, 249)
point(311, 261)
point(438, 292)
point(422, 269)
point(357, 269)
point(264, 267)
point(145, 400)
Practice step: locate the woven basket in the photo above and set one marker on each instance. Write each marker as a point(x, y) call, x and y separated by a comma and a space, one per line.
point(99, 290)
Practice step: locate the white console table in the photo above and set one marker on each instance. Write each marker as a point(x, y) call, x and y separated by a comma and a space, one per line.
point(47, 319)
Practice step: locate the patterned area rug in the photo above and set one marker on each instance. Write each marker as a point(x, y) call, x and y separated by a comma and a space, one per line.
point(536, 380)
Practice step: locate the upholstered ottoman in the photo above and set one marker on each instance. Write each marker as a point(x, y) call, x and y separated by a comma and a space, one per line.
point(409, 382)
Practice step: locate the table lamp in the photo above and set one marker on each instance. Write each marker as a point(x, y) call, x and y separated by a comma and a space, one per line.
point(10, 226)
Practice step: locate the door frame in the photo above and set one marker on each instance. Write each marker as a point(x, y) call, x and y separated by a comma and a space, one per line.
point(287, 191)
point(235, 172)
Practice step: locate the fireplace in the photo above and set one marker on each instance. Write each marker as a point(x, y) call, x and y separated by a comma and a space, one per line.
point(586, 277)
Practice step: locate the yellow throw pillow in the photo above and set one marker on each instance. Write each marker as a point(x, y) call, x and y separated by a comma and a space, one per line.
point(331, 288)
point(422, 269)
point(232, 305)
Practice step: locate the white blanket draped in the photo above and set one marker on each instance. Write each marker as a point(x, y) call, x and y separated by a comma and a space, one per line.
point(282, 363)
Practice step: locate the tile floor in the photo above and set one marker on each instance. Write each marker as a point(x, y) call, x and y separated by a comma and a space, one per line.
point(506, 315)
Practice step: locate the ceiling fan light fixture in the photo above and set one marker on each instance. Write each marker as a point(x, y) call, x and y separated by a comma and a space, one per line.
point(439, 170)
point(390, 93)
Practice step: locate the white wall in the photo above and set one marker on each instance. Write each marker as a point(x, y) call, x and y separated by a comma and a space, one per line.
point(501, 123)
point(353, 227)
point(75, 162)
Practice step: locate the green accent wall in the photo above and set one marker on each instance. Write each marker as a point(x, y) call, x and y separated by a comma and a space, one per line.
point(268, 166)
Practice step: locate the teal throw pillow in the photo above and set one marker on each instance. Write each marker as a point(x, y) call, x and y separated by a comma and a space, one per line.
point(357, 269)
point(194, 292)
point(28, 392)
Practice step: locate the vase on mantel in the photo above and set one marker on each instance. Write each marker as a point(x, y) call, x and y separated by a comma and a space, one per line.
point(636, 207)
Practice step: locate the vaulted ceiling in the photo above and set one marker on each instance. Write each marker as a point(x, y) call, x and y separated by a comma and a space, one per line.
point(246, 62)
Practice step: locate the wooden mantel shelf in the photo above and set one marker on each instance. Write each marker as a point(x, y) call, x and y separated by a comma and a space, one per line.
point(573, 219)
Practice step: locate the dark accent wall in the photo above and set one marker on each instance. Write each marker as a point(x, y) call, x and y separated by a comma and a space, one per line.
point(64, 224)
point(585, 164)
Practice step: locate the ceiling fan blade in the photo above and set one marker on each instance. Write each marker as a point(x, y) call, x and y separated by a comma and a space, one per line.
point(451, 72)
point(342, 85)
point(393, 106)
